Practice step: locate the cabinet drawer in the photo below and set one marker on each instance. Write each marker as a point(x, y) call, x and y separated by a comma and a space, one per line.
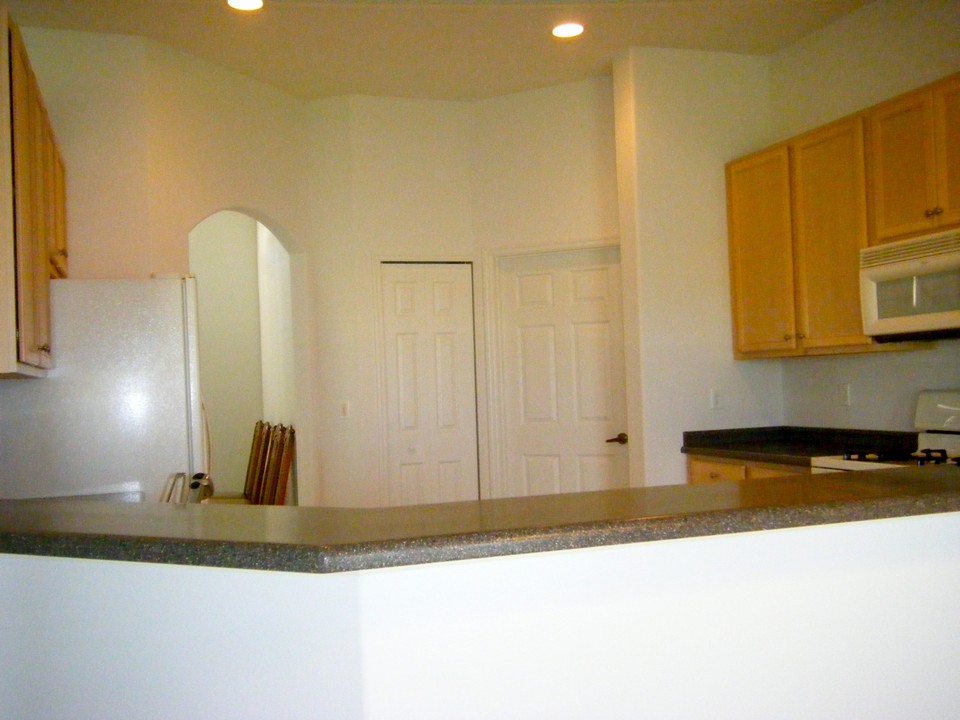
point(764, 472)
point(701, 471)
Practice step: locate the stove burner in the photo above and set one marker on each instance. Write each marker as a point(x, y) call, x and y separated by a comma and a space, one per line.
point(932, 456)
point(864, 456)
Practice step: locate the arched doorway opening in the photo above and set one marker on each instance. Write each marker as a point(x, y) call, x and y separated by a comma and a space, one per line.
point(245, 336)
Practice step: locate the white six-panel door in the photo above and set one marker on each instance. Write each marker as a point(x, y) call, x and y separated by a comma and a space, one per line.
point(429, 369)
point(562, 381)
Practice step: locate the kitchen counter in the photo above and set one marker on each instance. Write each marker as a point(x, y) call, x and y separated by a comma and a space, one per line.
point(791, 445)
point(330, 540)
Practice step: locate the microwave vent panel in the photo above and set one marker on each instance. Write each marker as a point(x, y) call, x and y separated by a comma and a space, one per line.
point(913, 249)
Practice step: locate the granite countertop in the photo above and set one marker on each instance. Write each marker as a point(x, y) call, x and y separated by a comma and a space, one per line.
point(792, 445)
point(324, 540)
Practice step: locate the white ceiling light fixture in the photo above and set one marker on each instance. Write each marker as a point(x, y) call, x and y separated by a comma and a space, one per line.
point(568, 30)
point(245, 5)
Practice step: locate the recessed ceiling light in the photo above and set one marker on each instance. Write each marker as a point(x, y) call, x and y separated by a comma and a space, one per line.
point(568, 30)
point(247, 5)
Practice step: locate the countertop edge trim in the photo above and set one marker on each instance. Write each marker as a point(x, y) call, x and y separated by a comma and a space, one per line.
point(323, 559)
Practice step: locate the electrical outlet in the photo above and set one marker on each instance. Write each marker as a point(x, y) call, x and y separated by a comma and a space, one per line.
point(714, 399)
point(843, 394)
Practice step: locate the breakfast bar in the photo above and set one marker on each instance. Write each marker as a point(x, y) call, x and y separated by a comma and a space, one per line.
point(328, 540)
point(828, 596)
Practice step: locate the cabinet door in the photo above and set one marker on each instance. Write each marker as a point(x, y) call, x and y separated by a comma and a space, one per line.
point(830, 227)
point(761, 252)
point(55, 204)
point(946, 106)
point(903, 166)
point(33, 280)
point(39, 208)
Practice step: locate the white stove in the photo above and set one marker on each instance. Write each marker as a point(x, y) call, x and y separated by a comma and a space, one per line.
point(937, 418)
point(843, 463)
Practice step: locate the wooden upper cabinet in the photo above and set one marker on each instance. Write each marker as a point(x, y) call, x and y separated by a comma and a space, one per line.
point(761, 253)
point(37, 192)
point(915, 162)
point(830, 228)
point(799, 213)
point(797, 217)
point(30, 222)
point(946, 125)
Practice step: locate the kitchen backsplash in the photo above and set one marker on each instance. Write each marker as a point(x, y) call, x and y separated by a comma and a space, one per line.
point(882, 392)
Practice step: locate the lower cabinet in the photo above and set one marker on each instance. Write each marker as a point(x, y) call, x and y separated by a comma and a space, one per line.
point(703, 469)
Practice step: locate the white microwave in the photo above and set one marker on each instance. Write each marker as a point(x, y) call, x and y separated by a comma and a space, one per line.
point(910, 290)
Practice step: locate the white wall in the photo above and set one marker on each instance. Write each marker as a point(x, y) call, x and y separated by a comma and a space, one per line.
point(430, 180)
point(692, 113)
point(684, 114)
point(545, 173)
point(276, 328)
point(95, 89)
point(392, 181)
point(885, 48)
point(881, 50)
point(853, 620)
point(155, 141)
point(223, 256)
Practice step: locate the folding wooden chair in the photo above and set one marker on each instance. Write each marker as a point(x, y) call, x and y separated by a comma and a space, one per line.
point(256, 466)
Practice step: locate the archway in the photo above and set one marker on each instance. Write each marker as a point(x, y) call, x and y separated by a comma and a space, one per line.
point(245, 336)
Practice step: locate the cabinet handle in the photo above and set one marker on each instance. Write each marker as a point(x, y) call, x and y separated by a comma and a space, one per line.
point(45, 348)
point(801, 336)
point(933, 212)
point(788, 337)
point(714, 476)
point(938, 211)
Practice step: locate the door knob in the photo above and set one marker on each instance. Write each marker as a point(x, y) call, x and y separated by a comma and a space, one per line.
point(620, 439)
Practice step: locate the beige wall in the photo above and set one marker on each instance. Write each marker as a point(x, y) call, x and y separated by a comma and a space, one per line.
point(884, 49)
point(155, 141)
point(545, 169)
point(82, 76)
point(343, 183)
point(223, 256)
point(278, 362)
point(425, 180)
point(681, 116)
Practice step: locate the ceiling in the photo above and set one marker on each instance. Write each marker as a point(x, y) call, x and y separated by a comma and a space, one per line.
point(444, 49)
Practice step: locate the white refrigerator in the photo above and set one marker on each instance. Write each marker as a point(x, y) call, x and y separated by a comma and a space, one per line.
point(120, 412)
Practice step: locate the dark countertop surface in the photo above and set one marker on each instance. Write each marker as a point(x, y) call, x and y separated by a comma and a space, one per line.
point(791, 445)
point(322, 540)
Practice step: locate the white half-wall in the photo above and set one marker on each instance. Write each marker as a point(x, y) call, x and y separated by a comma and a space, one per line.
point(855, 620)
